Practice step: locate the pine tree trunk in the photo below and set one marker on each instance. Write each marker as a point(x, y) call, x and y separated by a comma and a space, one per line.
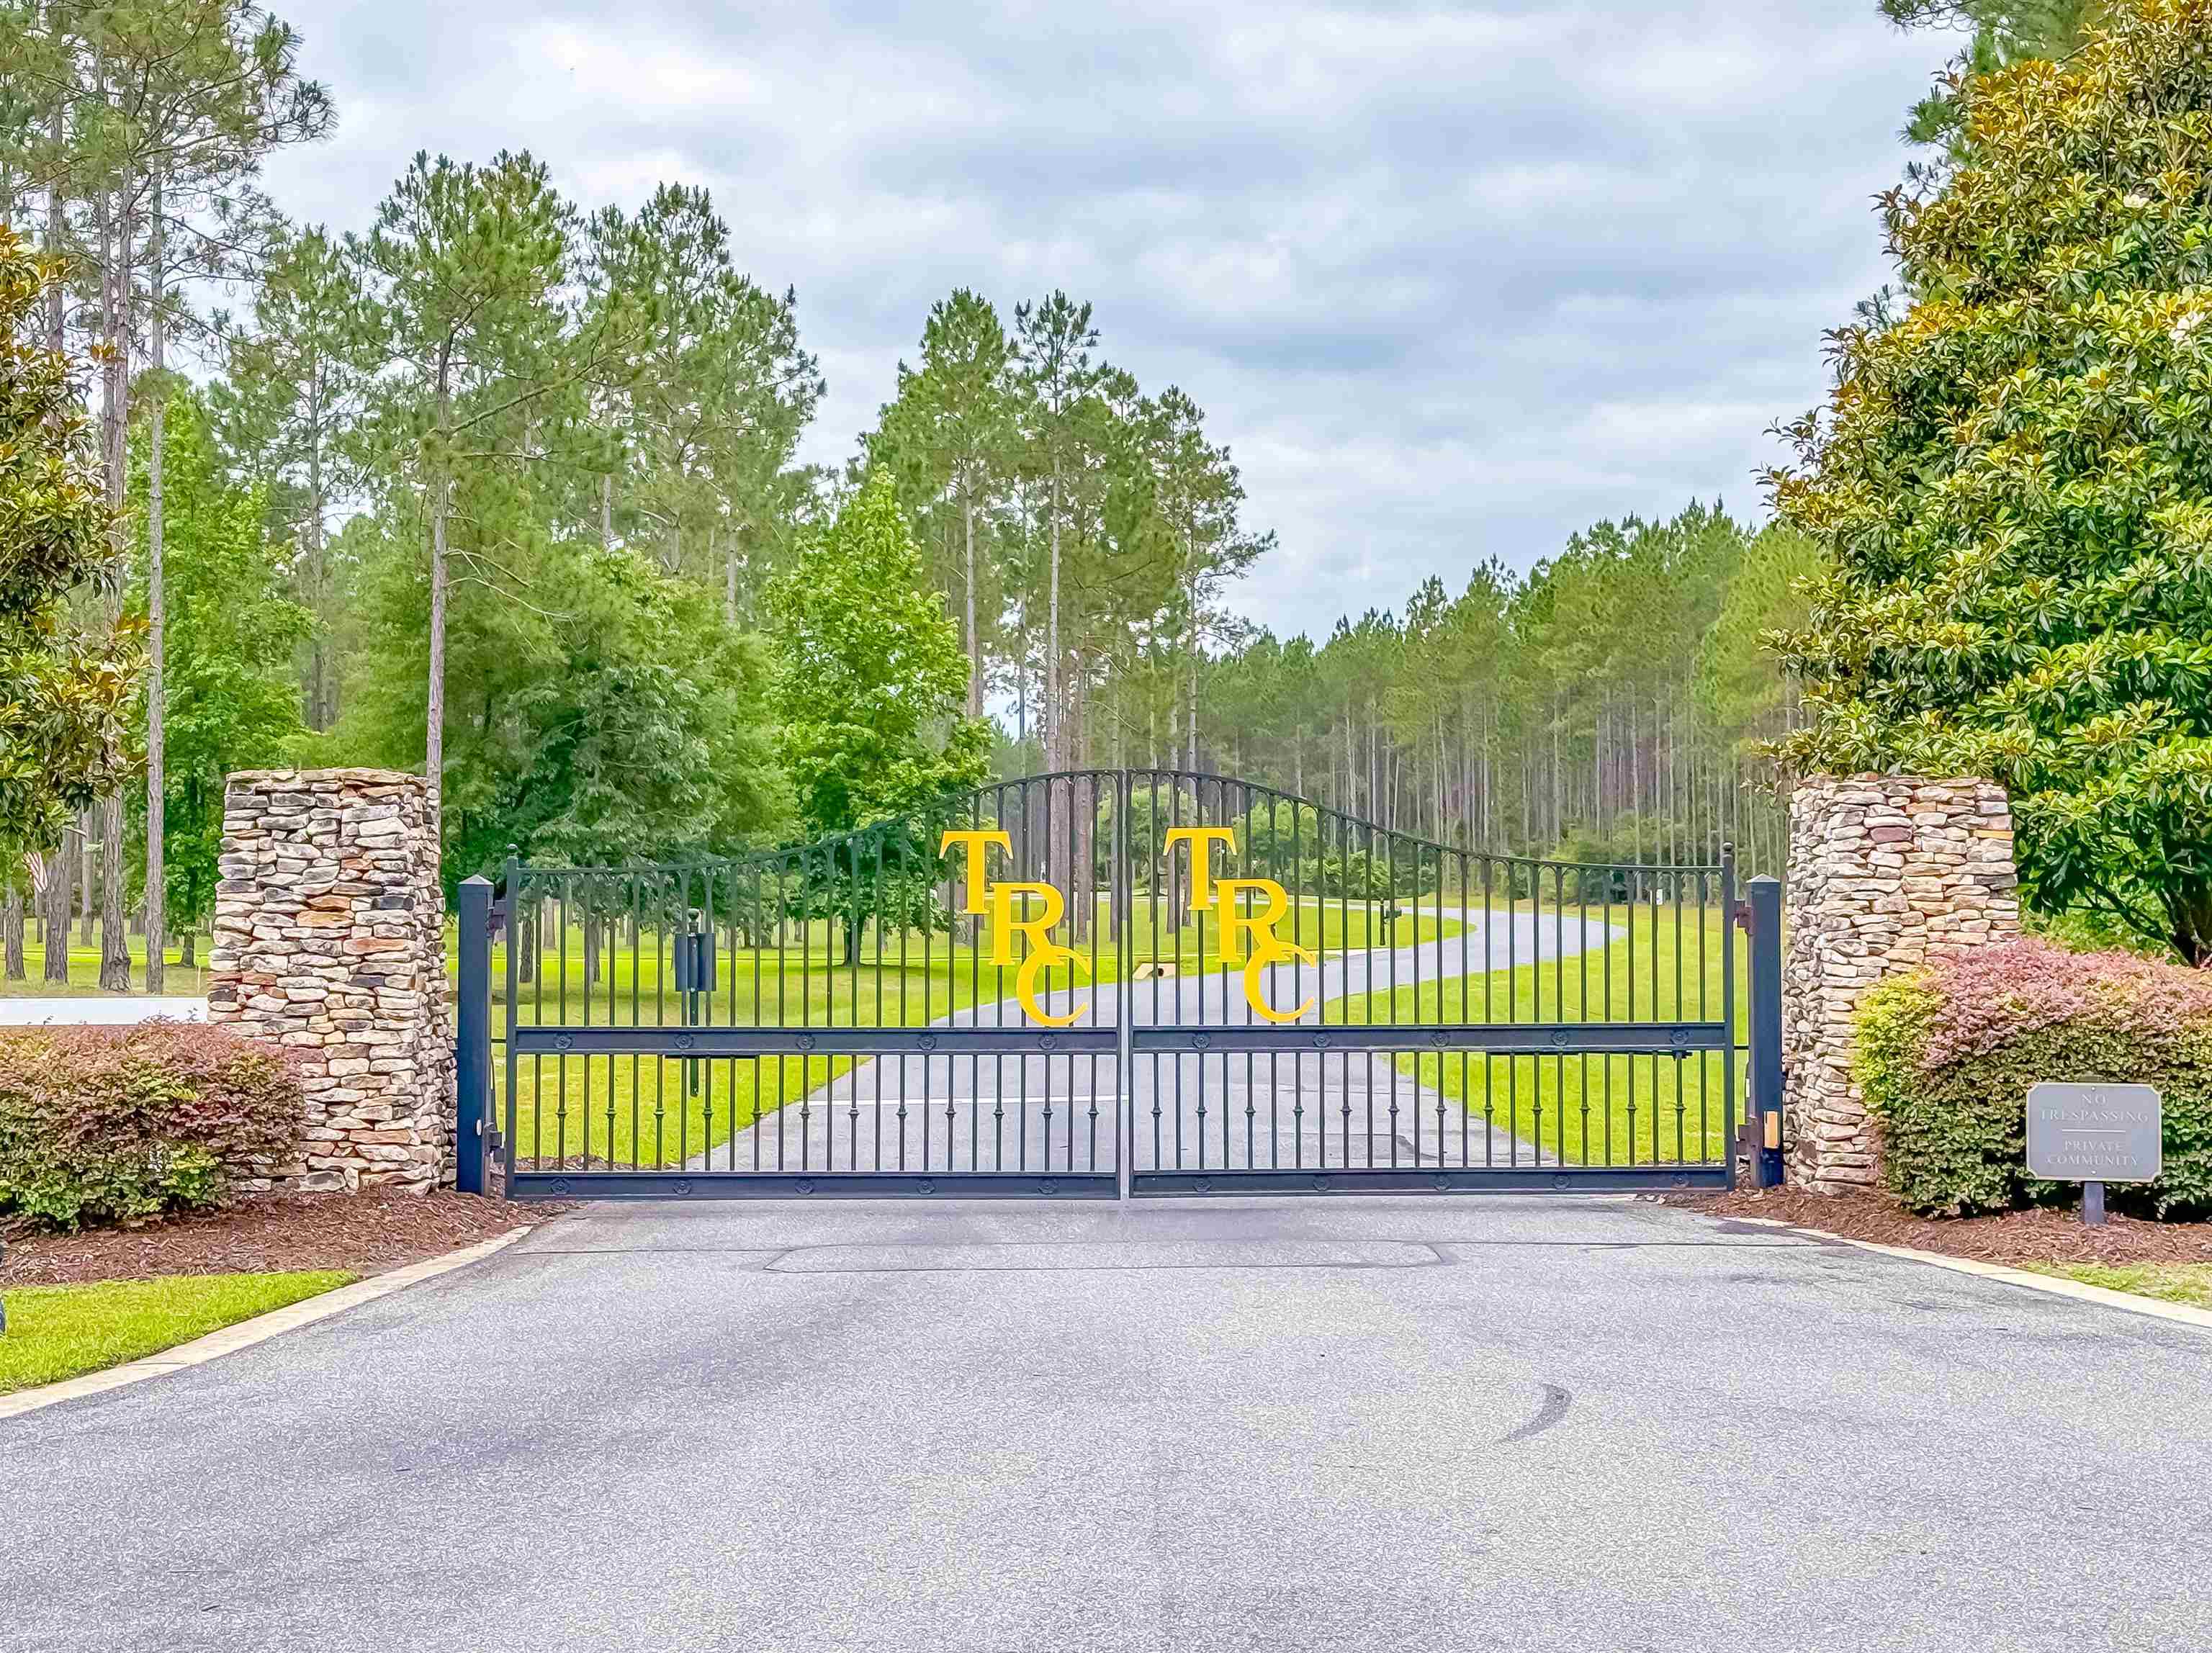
point(1052, 707)
point(974, 639)
point(56, 227)
point(115, 425)
point(433, 744)
point(156, 630)
point(322, 710)
point(114, 939)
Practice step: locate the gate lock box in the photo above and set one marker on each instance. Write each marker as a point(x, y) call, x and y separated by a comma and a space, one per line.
point(694, 961)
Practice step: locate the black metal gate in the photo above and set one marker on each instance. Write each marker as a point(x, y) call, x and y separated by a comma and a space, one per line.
point(1106, 983)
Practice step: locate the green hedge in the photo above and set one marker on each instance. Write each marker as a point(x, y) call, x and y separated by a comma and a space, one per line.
point(1945, 1056)
point(103, 1123)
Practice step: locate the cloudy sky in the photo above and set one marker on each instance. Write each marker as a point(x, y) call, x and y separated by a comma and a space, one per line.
point(1452, 281)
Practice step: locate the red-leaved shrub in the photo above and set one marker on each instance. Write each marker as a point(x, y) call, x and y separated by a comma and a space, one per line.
point(98, 1123)
point(1945, 1056)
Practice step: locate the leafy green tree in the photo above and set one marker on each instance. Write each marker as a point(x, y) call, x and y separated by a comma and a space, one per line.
point(234, 629)
point(65, 697)
point(870, 677)
point(870, 681)
point(2013, 488)
point(650, 742)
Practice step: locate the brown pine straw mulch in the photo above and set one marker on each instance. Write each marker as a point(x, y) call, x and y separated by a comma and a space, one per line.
point(2014, 1236)
point(366, 1233)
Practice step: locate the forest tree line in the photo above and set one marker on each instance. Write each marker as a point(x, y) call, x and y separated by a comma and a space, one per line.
point(503, 487)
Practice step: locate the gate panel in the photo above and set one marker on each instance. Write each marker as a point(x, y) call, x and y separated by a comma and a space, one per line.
point(1462, 1020)
point(830, 1019)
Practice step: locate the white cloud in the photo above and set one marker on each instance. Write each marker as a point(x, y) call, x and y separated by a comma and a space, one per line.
point(1453, 281)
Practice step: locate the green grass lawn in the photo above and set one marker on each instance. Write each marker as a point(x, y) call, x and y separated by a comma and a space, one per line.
point(2188, 1283)
point(650, 1112)
point(63, 1331)
point(1619, 1110)
point(188, 981)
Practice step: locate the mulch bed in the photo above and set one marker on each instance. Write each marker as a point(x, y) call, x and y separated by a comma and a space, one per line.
point(366, 1233)
point(2015, 1236)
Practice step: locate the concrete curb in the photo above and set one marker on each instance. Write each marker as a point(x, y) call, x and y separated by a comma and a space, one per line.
point(2127, 1301)
point(246, 1333)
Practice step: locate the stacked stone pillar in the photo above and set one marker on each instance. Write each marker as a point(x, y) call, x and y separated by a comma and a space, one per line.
point(1886, 872)
point(330, 941)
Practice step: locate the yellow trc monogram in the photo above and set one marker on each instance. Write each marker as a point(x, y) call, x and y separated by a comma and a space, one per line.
point(1248, 910)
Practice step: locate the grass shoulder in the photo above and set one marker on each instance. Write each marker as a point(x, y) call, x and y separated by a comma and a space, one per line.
point(55, 1332)
point(2184, 1283)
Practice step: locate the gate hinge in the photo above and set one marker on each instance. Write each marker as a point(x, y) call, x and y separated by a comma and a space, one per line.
point(1743, 916)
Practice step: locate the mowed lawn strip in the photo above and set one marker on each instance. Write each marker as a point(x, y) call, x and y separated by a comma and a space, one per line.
point(1613, 1111)
point(64, 1331)
point(2188, 1283)
point(182, 980)
point(653, 1112)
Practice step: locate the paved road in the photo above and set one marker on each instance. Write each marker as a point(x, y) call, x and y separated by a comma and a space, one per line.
point(1193, 1112)
point(1432, 1425)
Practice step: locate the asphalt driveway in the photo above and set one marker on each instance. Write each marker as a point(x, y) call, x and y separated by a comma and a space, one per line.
point(1512, 1423)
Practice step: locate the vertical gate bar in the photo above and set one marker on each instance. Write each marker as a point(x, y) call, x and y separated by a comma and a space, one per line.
point(659, 1019)
point(1513, 1001)
point(1175, 802)
point(1033, 847)
point(1705, 1061)
point(1000, 815)
point(680, 917)
point(1681, 1106)
point(1489, 987)
point(1390, 917)
point(561, 1061)
point(1297, 875)
point(1628, 987)
point(609, 956)
point(1466, 1013)
point(593, 954)
point(1125, 1083)
point(636, 1097)
point(1582, 995)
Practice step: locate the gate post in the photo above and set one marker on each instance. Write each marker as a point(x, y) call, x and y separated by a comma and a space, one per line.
point(1766, 1070)
point(473, 1040)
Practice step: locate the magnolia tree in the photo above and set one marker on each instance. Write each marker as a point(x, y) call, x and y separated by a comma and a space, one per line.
point(2014, 485)
point(64, 695)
